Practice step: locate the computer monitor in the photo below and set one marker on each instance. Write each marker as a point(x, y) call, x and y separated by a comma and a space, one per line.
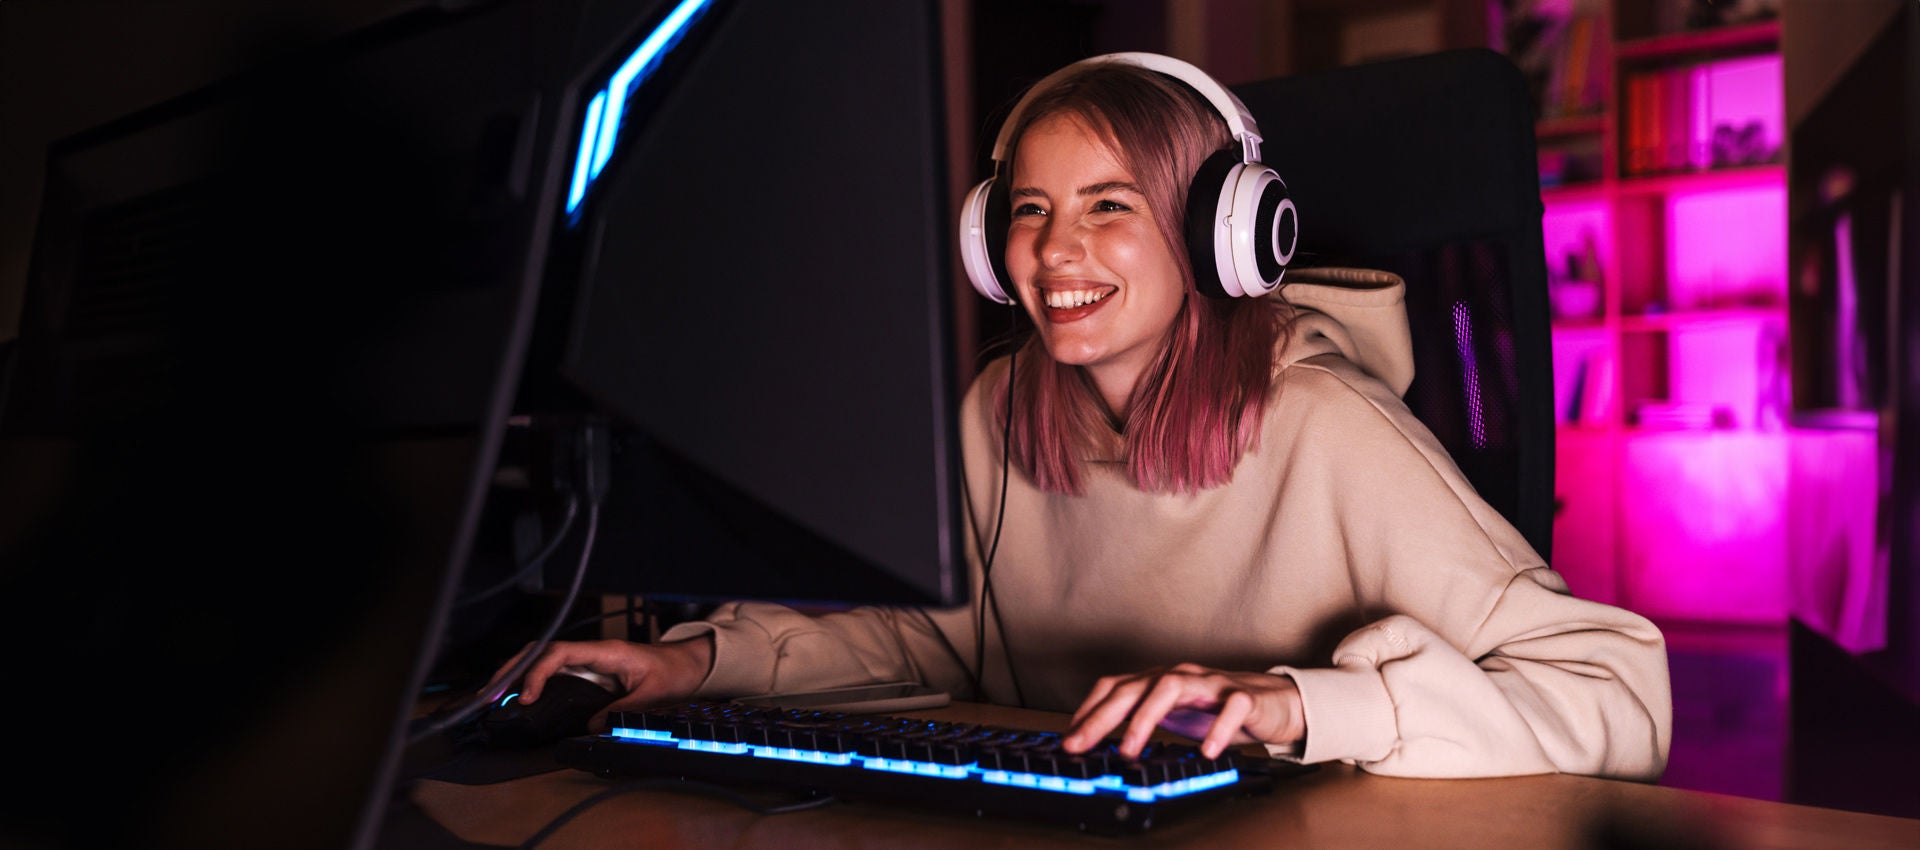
point(282, 335)
point(761, 306)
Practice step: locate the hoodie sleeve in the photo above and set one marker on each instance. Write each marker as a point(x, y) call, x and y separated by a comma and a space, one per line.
point(764, 648)
point(1477, 661)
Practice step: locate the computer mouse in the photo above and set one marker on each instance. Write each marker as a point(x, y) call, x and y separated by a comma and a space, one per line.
point(571, 698)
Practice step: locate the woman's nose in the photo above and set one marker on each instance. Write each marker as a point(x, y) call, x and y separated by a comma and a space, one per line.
point(1059, 245)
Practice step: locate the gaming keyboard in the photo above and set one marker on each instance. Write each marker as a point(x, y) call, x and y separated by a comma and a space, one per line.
point(987, 771)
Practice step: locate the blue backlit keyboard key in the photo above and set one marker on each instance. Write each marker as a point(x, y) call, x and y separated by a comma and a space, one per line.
point(972, 769)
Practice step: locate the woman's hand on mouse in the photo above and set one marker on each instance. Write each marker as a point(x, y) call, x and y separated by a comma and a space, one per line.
point(1215, 707)
point(648, 674)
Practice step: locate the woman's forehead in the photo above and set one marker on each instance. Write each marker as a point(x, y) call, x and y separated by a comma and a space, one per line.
point(1072, 134)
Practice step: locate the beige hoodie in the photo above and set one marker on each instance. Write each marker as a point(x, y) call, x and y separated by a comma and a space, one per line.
point(1426, 636)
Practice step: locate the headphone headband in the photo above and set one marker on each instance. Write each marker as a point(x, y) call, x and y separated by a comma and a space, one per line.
point(1240, 122)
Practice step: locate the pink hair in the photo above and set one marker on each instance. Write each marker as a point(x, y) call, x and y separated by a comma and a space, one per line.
point(1197, 408)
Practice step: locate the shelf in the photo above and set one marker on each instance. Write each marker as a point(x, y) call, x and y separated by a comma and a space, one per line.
point(1601, 429)
point(1672, 461)
point(1654, 322)
point(1835, 420)
point(1740, 177)
point(1719, 40)
point(1570, 125)
point(1631, 430)
point(1580, 324)
point(1573, 193)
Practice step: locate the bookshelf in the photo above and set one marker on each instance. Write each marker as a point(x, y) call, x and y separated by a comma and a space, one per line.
point(1660, 134)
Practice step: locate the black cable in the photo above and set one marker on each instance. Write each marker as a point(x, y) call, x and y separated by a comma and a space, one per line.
point(986, 568)
point(593, 470)
point(590, 619)
point(644, 626)
point(487, 697)
point(553, 545)
point(715, 791)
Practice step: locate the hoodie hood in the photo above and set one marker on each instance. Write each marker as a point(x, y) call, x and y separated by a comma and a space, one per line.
point(1360, 314)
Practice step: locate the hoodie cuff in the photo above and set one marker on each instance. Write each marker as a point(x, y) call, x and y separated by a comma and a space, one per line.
point(1349, 713)
point(742, 663)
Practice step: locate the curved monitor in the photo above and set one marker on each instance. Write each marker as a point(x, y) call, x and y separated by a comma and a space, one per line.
point(761, 303)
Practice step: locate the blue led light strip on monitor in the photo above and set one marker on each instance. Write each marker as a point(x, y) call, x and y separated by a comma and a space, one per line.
point(601, 127)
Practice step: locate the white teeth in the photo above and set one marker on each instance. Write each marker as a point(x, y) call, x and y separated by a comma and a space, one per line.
point(1068, 299)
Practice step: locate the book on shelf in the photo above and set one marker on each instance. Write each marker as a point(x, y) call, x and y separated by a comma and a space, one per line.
point(1576, 75)
point(1569, 404)
point(1702, 115)
point(1584, 390)
point(1597, 388)
point(1640, 126)
point(1663, 109)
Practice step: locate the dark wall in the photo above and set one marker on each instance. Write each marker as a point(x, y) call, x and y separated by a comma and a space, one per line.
point(67, 65)
point(1016, 42)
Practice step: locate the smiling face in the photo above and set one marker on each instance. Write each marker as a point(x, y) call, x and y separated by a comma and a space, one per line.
point(1088, 256)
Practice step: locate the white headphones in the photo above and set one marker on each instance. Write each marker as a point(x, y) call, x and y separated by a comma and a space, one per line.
point(1241, 226)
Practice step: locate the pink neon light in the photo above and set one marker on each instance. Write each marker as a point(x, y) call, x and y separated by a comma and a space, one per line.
point(1839, 557)
point(1708, 513)
point(1849, 348)
point(1572, 232)
point(1743, 110)
point(1705, 506)
point(1570, 229)
point(1727, 248)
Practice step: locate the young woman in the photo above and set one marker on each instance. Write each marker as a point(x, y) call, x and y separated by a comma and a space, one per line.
point(1219, 516)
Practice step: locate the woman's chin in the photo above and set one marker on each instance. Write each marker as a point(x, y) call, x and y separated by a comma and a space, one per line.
point(1072, 354)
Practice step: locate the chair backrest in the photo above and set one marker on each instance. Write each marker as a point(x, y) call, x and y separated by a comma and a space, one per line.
point(1425, 166)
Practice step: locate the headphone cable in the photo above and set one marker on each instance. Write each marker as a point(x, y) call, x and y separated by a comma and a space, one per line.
point(987, 598)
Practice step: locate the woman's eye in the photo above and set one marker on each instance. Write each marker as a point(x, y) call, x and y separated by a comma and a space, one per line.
point(1028, 209)
point(1104, 205)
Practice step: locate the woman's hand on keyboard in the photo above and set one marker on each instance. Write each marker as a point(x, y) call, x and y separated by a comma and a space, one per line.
point(648, 674)
point(1215, 707)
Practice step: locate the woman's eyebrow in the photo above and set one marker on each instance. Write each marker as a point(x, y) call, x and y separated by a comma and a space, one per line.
point(1088, 190)
point(1106, 186)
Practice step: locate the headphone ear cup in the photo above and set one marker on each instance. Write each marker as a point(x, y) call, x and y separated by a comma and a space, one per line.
point(984, 220)
point(1241, 227)
point(1209, 246)
point(1266, 229)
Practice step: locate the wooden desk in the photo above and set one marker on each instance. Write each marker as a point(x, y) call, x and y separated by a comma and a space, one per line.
point(1335, 807)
